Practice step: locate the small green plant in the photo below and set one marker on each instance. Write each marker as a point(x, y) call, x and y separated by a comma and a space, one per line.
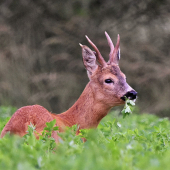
point(141, 141)
point(127, 110)
point(46, 136)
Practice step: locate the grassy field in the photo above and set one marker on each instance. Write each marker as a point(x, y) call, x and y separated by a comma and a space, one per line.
point(137, 142)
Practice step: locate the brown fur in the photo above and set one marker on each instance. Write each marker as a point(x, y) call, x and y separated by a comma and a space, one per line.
point(94, 103)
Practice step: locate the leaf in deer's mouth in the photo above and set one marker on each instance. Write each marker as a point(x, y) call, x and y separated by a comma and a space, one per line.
point(129, 104)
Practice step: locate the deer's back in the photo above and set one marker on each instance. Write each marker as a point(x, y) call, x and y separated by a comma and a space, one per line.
point(35, 114)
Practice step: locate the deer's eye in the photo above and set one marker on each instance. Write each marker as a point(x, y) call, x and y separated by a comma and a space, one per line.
point(108, 81)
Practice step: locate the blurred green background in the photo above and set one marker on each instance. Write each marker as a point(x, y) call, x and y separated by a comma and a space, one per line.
point(41, 62)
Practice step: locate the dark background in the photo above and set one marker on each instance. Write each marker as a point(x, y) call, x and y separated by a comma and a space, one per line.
point(41, 62)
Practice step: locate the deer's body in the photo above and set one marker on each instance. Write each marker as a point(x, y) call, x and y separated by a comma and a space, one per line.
point(107, 88)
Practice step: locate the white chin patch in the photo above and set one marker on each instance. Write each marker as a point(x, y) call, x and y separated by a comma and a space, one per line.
point(134, 100)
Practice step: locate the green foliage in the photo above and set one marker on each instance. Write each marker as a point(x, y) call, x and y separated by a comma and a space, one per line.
point(127, 110)
point(6, 111)
point(135, 143)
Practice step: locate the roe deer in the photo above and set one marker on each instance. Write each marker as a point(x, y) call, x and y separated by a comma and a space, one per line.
point(107, 88)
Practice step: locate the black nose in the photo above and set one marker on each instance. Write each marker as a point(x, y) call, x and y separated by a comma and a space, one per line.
point(130, 95)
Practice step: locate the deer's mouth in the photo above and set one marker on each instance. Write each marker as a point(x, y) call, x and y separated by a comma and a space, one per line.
point(131, 95)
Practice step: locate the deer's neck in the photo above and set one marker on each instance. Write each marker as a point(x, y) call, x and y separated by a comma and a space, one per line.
point(87, 111)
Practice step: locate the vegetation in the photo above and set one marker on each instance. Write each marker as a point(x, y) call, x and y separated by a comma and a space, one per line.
point(140, 141)
point(127, 107)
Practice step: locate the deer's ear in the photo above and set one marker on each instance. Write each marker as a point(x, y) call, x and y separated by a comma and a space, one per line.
point(89, 60)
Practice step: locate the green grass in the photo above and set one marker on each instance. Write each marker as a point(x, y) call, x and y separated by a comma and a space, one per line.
point(138, 142)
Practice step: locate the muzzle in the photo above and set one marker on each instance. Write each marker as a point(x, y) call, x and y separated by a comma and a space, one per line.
point(131, 95)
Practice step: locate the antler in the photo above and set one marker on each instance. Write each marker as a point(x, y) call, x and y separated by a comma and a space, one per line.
point(110, 44)
point(98, 55)
point(113, 58)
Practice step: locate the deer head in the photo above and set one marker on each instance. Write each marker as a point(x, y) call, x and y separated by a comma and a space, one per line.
point(106, 79)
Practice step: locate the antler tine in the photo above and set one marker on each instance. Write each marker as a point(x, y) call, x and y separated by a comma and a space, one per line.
point(110, 44)
point(113, 58)
point(99, 56)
